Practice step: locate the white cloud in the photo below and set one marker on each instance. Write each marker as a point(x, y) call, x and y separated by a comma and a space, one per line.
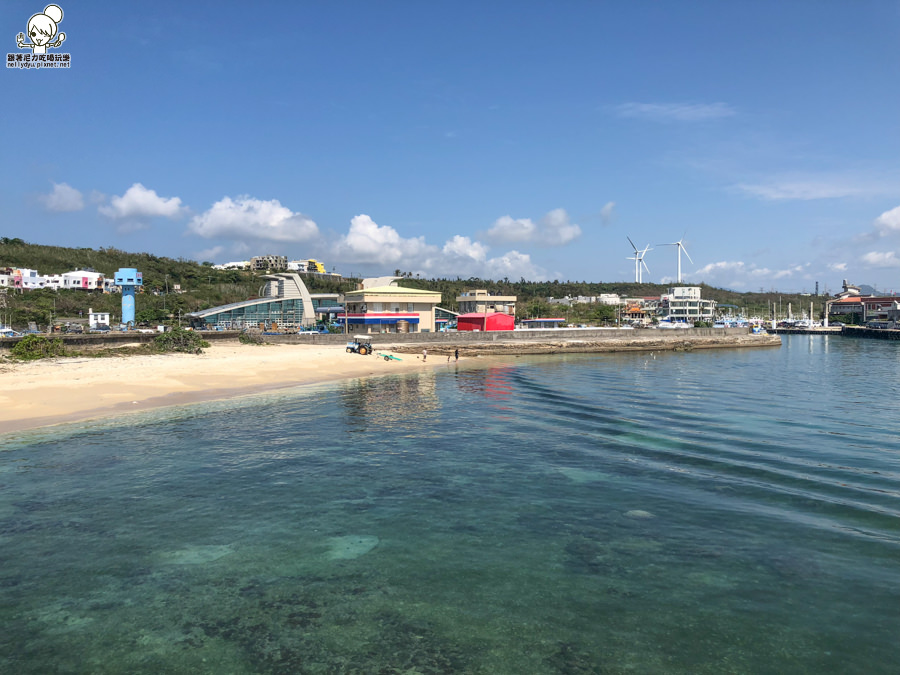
point(675, 112)
point(838, 267)
point(881, 259)
point(789, 272)
point(803, 190)
point(719, 267)
point(368, 242)
point(210, 254)
point(738, 274)
point(462, 257)
point(382, 247)
point(248, 218)
point(508, 229)
point(463, 247)
point(808, 186)
point(138, 204)
point(513, 265)
point(554, 230)
point(888, 222)
point(606, 213)
point(63, 198)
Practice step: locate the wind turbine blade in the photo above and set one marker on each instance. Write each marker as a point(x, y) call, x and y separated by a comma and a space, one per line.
point(686, 253)
point(645, 266)
point(632, 243)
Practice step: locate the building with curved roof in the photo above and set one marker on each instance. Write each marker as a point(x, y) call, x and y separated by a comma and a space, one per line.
point(284, 303)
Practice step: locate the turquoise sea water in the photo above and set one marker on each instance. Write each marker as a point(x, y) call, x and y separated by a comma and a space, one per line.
point(706, 512)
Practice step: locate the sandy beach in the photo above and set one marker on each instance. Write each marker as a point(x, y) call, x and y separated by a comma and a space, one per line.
point(52, 391)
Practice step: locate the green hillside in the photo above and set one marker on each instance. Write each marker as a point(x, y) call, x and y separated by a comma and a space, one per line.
point(203, 287)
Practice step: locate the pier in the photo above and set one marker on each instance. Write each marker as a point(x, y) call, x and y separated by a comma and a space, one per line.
point(830, 330)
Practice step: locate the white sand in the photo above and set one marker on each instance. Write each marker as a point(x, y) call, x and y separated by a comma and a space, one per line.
point(50, 391)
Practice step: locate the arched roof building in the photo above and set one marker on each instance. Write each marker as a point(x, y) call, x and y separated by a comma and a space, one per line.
point(285, 303)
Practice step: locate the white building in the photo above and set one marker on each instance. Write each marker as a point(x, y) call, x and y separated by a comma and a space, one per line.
point(482, 302)
point(684, 304)
point(81, 279)
point(97, 318)
point(30, 280)
point(27, 279)
point(262, 263)
point(602, 299)
point(310, 266)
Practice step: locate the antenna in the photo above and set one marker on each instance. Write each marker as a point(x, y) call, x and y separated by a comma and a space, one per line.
point(639, 264)
point(681, 248)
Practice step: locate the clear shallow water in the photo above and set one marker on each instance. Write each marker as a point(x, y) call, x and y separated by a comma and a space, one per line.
point(709, 512)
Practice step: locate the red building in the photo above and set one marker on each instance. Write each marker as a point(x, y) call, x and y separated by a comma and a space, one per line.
point(485, 322)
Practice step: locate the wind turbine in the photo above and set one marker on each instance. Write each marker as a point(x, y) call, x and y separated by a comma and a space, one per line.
point(681, 248)
point(638, 258)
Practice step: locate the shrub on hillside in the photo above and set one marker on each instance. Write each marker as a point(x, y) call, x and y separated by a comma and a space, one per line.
point(33, 347)
point(180, 340)
point(251, 338)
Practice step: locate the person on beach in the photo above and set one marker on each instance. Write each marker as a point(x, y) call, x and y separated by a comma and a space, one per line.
point(456, 354)
point(424, 354)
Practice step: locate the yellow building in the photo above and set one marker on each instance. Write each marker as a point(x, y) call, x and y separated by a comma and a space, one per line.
point(479, 301)
point(391, 309)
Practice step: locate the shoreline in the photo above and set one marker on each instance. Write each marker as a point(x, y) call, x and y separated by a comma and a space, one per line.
point(48, 392)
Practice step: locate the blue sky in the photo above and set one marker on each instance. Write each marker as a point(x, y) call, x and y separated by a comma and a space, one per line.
point(495, 139)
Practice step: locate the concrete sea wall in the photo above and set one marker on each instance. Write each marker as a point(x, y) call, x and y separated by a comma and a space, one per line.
point(871, 333)
point(499, 342)
point(553, 340)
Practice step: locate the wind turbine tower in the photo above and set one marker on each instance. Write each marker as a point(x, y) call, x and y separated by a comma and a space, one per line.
point(639, 264)
point(681, 248)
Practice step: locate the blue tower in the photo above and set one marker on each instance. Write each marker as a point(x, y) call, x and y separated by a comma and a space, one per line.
point(127, 278)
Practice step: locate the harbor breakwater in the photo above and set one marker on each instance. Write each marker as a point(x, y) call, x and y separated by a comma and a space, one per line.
point(871, 333)
point(549, 341)
point(496, 342)
point(610, 341)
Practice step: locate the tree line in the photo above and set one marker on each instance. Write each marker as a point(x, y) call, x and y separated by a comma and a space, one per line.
point(203, 286)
